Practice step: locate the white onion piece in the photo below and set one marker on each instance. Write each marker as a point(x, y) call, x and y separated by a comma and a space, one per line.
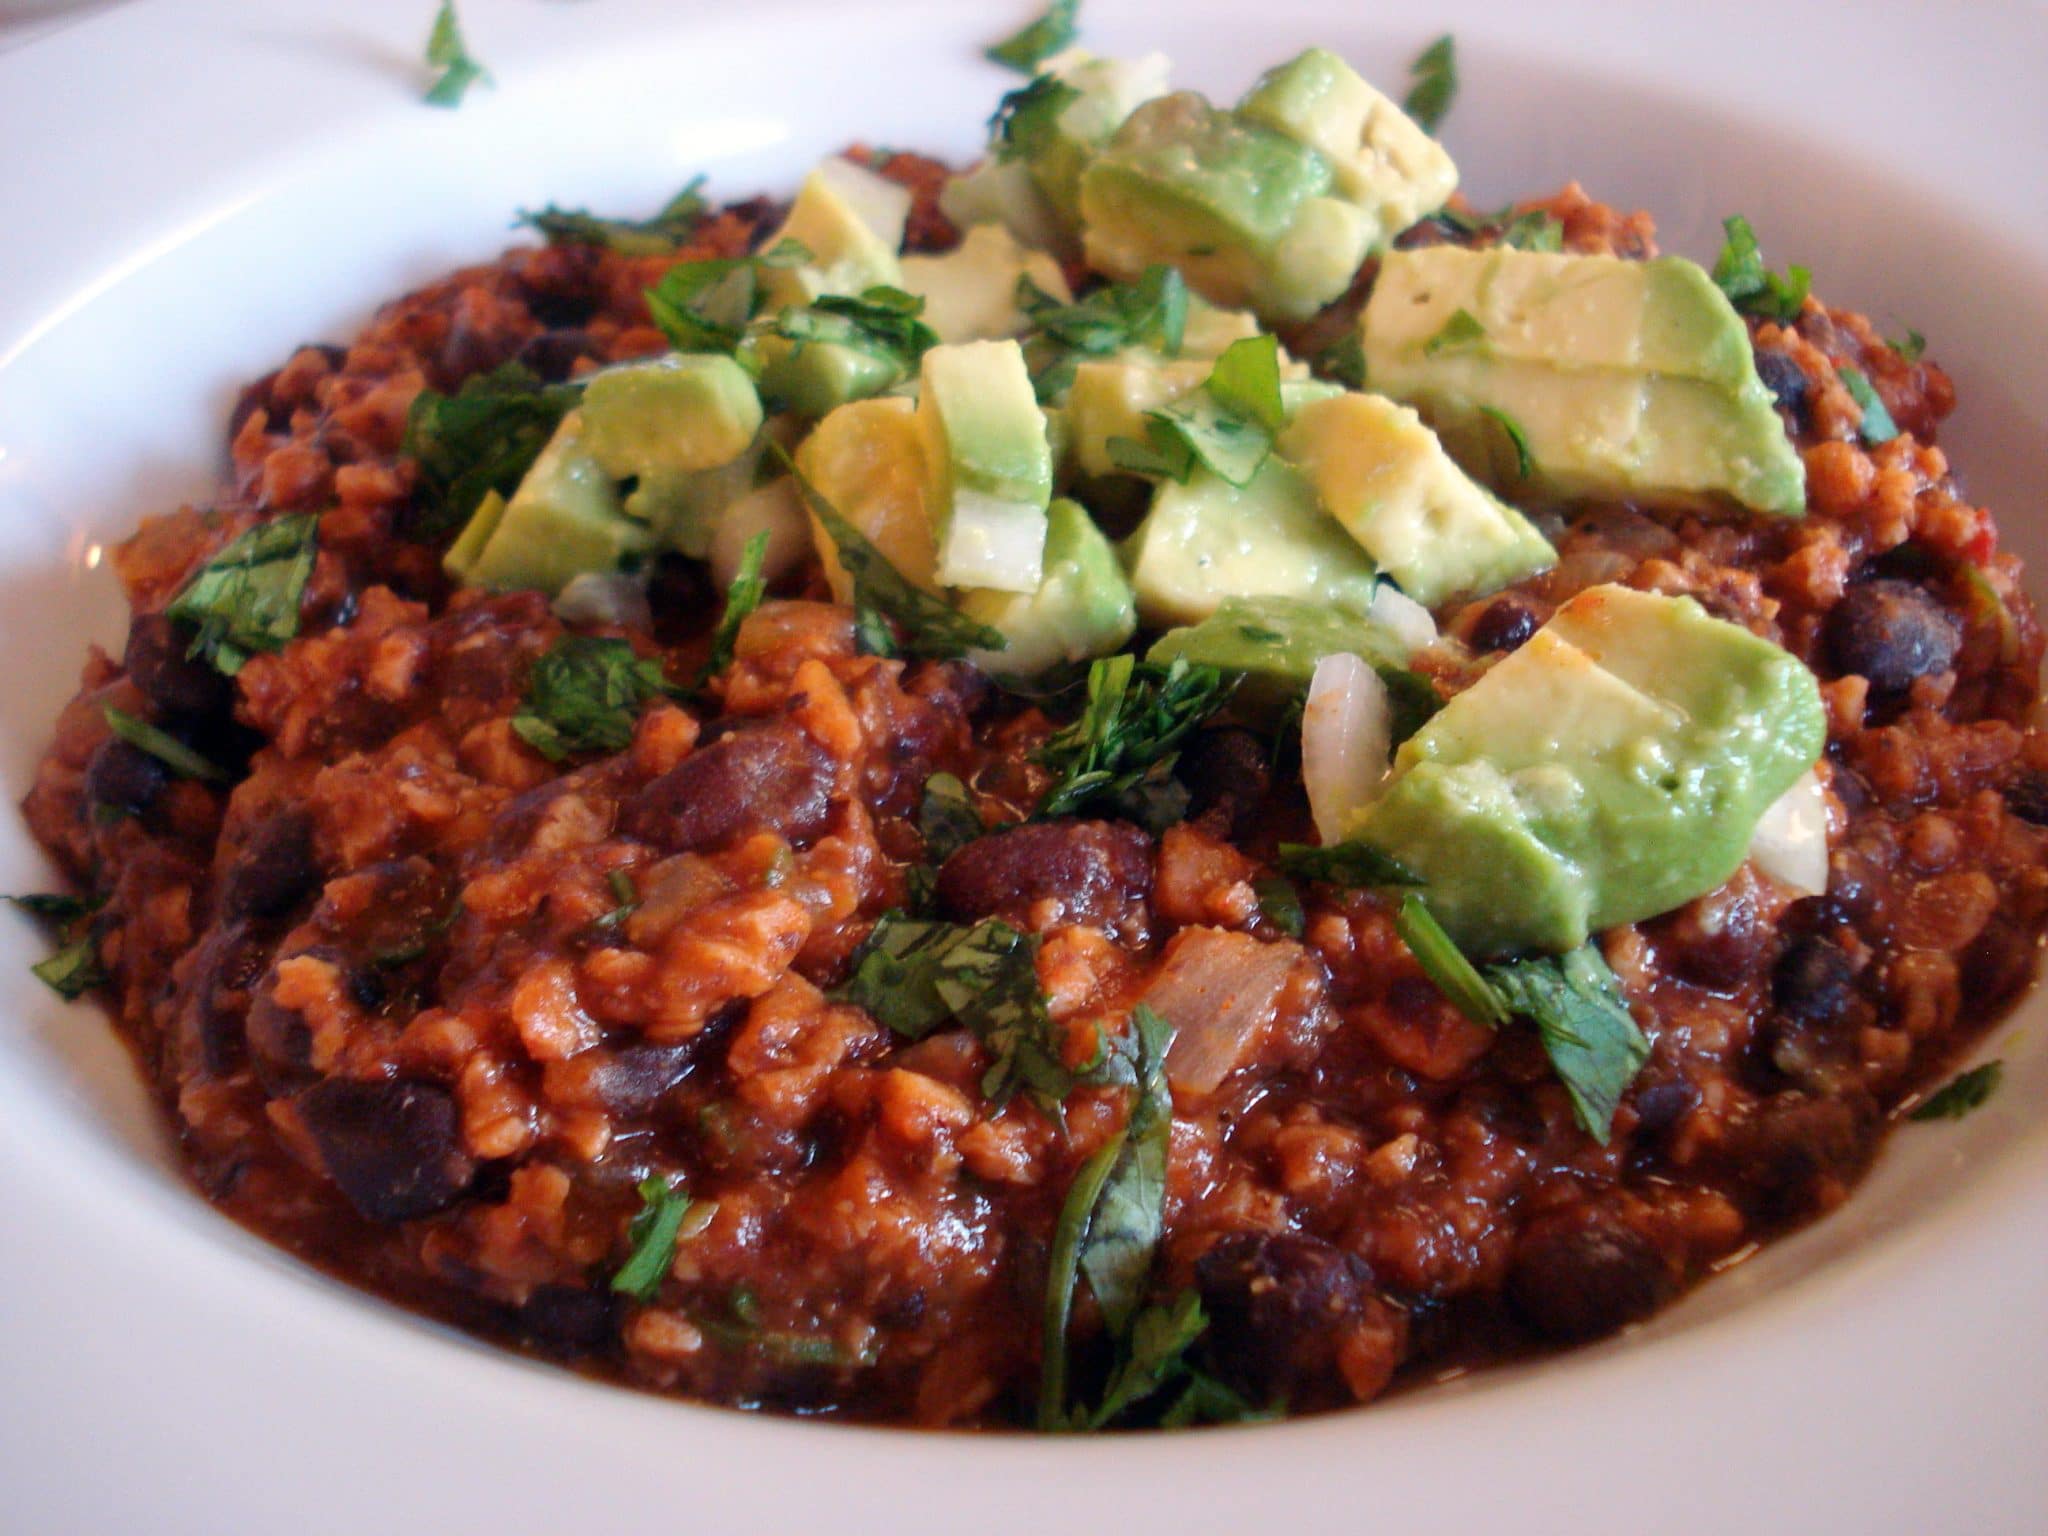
point(604, 597)
point(1402, 617)
point(1217, 988)
point(1346, 738)
point(1791, 840)
point(774, 509)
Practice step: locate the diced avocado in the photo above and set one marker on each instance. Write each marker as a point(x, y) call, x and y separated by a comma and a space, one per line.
point(1002, 192)
point(1107, 92)
point(1242, 211)
point(675, 415)
point(851, 221)
point(775, 509)
point(867, 461)
point(1296, 394)
point(563, 520)
point(1612, 768)
point(1383, 475)
point(1384, 164)
point(989, 463)
point(1275, 643)
point(1110, 398)
point(1210, 329)
point(1082, 608)
point(681, 511)
point(1625, 379)
point(970, 292)
point(1208, 540)
point(820, 376)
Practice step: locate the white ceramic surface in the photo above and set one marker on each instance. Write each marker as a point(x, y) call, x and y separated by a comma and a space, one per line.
point(193, 186)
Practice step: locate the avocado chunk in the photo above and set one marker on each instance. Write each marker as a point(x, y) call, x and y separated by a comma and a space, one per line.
point(851, 221)
point(676, 415)
point(1207, 540)
point(1106, 91)
point(990, 465)
point(816, 377)
point(1001, 192)
point(1611, 769)
point(867, 460)
point(1625, 379)
point(1109, 399)
point(1245, 213)
point(1274, 643)
point(970, 292)
point(1082, 608)
point(1383, 475)
point(562, 521)
point(1382, 161)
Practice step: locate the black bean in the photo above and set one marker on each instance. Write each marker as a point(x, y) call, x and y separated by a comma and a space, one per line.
point(1098, 872)
point(554, 352)
point(124, 778)
point(1280, 1304)
point(571, 1319)
point(1582, 1272)
point(1505, 625)
point(1891, 632)
point(1795, 1153)
point(768, 777)
point(1229, 771)
point(393, 1146)
point(2026, 796)
point(1786, 381)
point(1715, 941)
point(176, 682)
point(1814, 981)
point(632, 1079)
point(275, 868)
point(208, 1036)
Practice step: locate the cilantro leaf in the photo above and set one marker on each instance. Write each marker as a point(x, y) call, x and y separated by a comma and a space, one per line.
point(705, 306)
point(1246, 380)
point(1518, 440)
point(1961, 1094)
point(1280, 904)
point(161, 745)
point(1754, 289)
point(246, 598)
point(1118, 754)
point(1460, 333)
point(1229, 424)
point(1911, 347)
point(1877, 425)
point(1575, 1002)
point(585, 695)
point(741, 598)
point(626, 897)
point(1151, 312)
point(1433, 83)
point(1063, 1273)
point(447, 52)
point(946, 818)
point(1031, 46)
point(1445, 964)
point(1347, 864)
point(882, 593)
point(1130, 1211)
point(1027, 119)
point(882, 322)
point(652, 1237)
point(73, 970)
point(661, 235)
point(1160, 1337)
point(482, 438)
point(1536, 230)
point(58, 908)
point(1344, 360)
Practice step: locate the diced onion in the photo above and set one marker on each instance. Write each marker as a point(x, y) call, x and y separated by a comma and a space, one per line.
point(1791, 840)
point(604, 597)
point(1346, 738)
point(1402, 617)
point(1218, 989)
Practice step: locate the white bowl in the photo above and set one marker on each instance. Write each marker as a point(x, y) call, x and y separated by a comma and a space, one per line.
point(193, 186)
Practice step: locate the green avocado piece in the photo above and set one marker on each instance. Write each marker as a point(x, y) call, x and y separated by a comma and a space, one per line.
point(1383, 475)
point(1382, 161)
point(1625, 379)
point(1274, 644)
point(990, 462)
point(562, 521)
point(1106, 91)
point(1207, 540)
point(851, 221)
point(675, 415)
point(817, 377)
point(1082, 608)
point(1110, 398)
point(682, 510)
point(970, 292)
point(1613, 768)
point(1242, 211)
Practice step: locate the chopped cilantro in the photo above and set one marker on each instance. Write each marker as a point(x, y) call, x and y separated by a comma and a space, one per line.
point(448, 53)
point(1246, 380)
point(1911, 347)
point(1961, 1094)
point(161, 745)
point(882, 594)
point(882, 322)
point(1445, 964)
point(1575, 1002)
point(1151, 312)
point(1753, 288)
point(1031, 46)
point(705, 306)
point(1118, 754)
point(57, 908)
point(1130, 1212)
point(1518, 440)
point(1228, 425)
point(946, 818)
point(661, 235)
point(246, 598)
point(1536, 230)
point(1160, 1338)
point(1344, 360)
point(482, 438)
point(1460, 332)
point(1063, 1273)
point(651, 1236)
point(741, 598)
point(1026, 119)
point(1877, 425)
point(1433, 83)
point(1280, 904)
point(625, 897)
point(584, 695)
point(1347, 864)
point(73, 970)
